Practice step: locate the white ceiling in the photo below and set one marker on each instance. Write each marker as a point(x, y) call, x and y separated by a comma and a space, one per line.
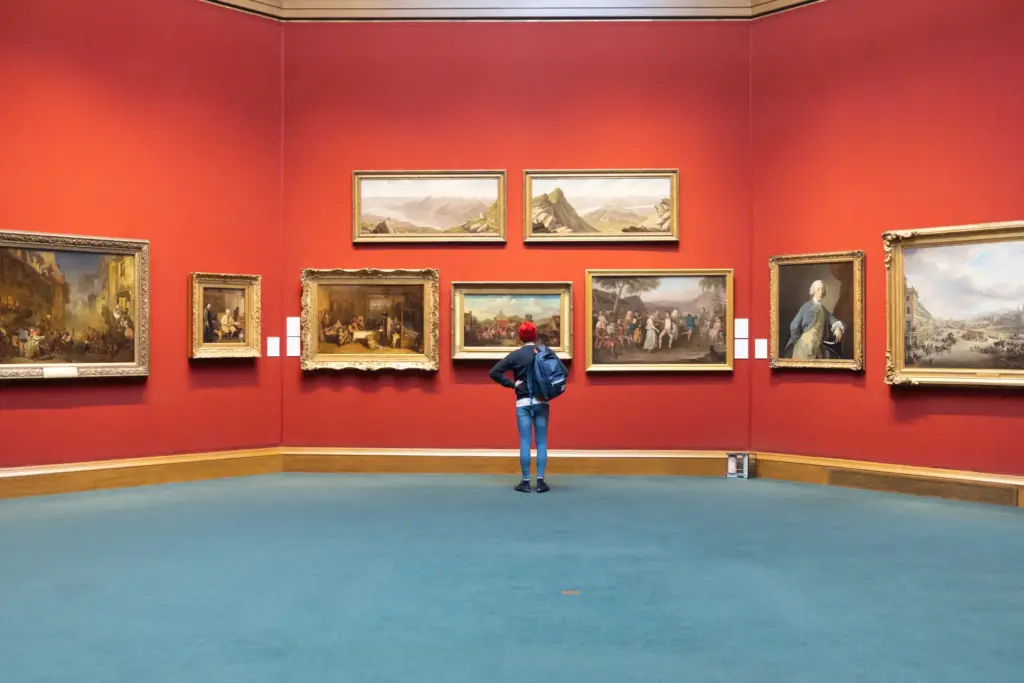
point(353, 10)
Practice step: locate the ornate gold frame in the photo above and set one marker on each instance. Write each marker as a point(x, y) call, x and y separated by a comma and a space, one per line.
point(253, 340)
point(857, 362)
point(311, 281)
point(459, 289)
point(727, 273)
point(358, 176)
point(896, 373)
point(529, 175)
point(137, 248)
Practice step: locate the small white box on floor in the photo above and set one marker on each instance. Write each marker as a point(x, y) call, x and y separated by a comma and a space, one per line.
point(738, 465)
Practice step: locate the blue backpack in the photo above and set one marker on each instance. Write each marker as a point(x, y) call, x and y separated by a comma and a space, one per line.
point(547, 377)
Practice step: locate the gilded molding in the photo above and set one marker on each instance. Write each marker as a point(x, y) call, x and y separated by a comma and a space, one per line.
point(896, 372)
point(253, 316)
point(856, 364)
point(137, 248)
point(312, 278)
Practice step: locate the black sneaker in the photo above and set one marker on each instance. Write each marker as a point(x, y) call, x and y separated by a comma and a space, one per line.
point(542, 487)
point(523, 487)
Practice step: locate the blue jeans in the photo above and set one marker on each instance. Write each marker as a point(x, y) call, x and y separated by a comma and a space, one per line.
point(533, 419)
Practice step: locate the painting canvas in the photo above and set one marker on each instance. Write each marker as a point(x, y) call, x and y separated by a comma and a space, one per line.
point(817, 303)
point(956, 305)
point(225, 316)
point(73, 306)
point(370, 319)
point(601, 206)
point(486, 317)
point(649, 320)
point(429, 207)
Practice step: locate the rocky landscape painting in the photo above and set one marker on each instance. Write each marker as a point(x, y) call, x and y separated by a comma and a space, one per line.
point(601, 206)
point(416, 207)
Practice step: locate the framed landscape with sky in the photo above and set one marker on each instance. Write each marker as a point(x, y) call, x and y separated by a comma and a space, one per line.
point(428, 206)
point(601, 206)
point(486, 317)
point(955, 305)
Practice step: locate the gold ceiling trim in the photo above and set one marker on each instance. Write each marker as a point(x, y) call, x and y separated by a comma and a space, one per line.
point(508, 10)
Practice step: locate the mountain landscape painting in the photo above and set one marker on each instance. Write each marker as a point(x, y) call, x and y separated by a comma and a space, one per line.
point(964, 306)
point(601, 206)
point(414, 207)
point(659, 320)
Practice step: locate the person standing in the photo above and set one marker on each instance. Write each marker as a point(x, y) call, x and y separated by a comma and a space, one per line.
point(531, 413)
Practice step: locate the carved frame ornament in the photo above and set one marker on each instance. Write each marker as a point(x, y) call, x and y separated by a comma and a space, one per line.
point(313, 279)
point(896, 371)
point(139, 249)
point(252, 285)
point(855, 364)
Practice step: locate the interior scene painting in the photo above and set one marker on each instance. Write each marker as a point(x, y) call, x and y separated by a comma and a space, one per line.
point(594, 206)
point(663, 320)
point(446, 207)
point(224, 315)
point(370, 319)
point(816, 311)
point(66, 306)
point(494, 319)
point(963, 306)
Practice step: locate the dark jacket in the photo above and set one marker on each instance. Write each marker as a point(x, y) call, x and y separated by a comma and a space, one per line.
point(518, 362)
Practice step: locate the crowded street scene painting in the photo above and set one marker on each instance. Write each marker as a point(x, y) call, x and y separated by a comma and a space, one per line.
point(66, 306)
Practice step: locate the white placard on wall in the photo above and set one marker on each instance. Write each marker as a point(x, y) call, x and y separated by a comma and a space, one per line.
point(292, 327)
point(273, 347)
point(741, 328)
point(293, 346)
point(761, 349)
point(741, 349)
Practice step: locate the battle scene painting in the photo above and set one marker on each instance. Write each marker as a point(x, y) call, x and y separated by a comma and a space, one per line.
point(659, 322)
point(963, 306)
point(67, 307)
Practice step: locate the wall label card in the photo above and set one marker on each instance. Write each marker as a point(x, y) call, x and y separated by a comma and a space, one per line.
point(292, 327)
point(741, 329)
point(761, 349)
point(741, 349)
point(273, 347)
point(293, 347)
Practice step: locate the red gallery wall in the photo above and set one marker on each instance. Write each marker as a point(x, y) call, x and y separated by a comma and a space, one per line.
point(157, 120)
point(874, 115)
point(512, 96)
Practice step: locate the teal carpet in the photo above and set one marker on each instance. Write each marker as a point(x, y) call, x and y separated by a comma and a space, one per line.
point(422, 579)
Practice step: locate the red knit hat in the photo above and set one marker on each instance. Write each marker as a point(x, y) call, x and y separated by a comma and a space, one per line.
point(527, 332)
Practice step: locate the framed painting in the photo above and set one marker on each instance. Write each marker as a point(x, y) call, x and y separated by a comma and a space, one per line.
point(659, 320)
point(225, 316)
point(428, 206)
point(370, 319)
point(73, 306)
point(601, 206)
point(817, 311)
point(955, 305)
point(486, 317)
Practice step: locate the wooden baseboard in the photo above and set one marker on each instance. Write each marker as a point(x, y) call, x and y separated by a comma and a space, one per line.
point(16, 482)
point(506, 462)
point(975, 487)
point(90, 476)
